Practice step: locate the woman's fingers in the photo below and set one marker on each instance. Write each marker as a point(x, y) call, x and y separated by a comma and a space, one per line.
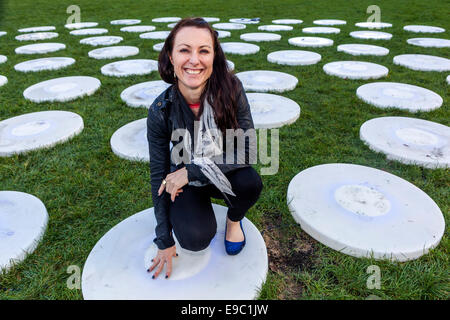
point(155, 263)
point(158, 271)
point(169, 268)
point(161, 189)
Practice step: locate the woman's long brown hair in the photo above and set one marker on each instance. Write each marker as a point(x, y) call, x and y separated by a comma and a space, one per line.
point(221, 88)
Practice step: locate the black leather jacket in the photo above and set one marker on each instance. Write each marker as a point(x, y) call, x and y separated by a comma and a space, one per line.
point(170, 112)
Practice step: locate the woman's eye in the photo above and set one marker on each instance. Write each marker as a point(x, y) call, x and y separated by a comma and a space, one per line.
point(204, 51)
point(184, 50)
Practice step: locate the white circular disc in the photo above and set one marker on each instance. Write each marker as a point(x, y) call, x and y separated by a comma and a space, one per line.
point(448, 79)
point(53, 63)
point(310, 42)
point(3, 58)
point(130, 141)
point(37, 130)
point(158, 46)
point(62, 89)
point(125, 22)
point(275, 27)
point(155, 35)
point(130, 67)
point(2, 33)
point(138, 29)
point(429, 42)
point(229, 26)
point(408, 140)
point(294, 57)
point(423, 62)
point(37, 29)
point(117, 266)
point(36, 36)
point(172, 25)
point(23, 220)
point(374, 35)
point(143, 94)
point(363, 49)
point(423, 29)
point(223, 34)
point(373, 25)
point(241, 48)
point(113, 52)
point(325, 30)
point(287, 21)
point(80, 25)
point(88, 31)
point(355, 70)
point(101, 41)
point(399, 95)
point(230, 65)
point(211, 19)
point(40, 48)
point(364, 212)
point(329, 22)
point(245, 20)
point(167, 19)
point(264, 81)
point(260, 36)
point(272, 111)
point(3, 80)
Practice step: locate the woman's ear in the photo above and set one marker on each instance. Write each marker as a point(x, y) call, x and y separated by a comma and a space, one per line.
point(170, 58)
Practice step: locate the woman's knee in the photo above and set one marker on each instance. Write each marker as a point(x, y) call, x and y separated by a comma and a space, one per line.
point(196, 240)
point(248, 183)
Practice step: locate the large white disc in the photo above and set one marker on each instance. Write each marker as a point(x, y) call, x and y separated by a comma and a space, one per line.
point(329, 22)
point(117, 266)
point(126, 22)
point(272, 111)
point(101, 41)
point(374, 35)
point(325, 30)
point(62, 89)
point(3, 58)
point(130, 67)
point(37, 130)
point(172, 25)
point(310, 42)
point(245, 20)
point(429, 42)
point(448, 79)
point(211, 19)
point(399, 95)
point(241, 48)
point(3, 80)
point(167, 19)
point(229, 26)
point(53, 63)
point(37, 29)
point(408, 140)
point(2, 33)
point(363, 49)
point(373, 25)
point(364, 212)
point(294, 57)
point(155, 35)
point(287, 21)
point(423, 29)
point(36, 36)
point(40, 48)
point(223, 34)
point(355, 70)
point(143, 94)
point(260, 36)
point(423, 62)
point(159, 46)
point(89, 31)
point(265, 81)
point(275, 27)
point(138, 29)
point(80, 25)
point(130, 141)
point(23, 220)
point(113, 52)
point(230, 65)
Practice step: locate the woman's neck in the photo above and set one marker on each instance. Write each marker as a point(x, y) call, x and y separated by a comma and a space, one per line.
point(191, 96)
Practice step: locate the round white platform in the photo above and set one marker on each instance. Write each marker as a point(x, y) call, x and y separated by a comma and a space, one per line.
point(448, 79)
point(329, 22)
point(126, 22)
point(275, 27)
point(373, 25)
point(266, 81)
point(423, 29)
point(373, 35)
point(41, 64)
point(2, 33)
point(429, 42)
point(229, 26)
point(155, 35)
point(211, 19)
point(260, 36)
point(117, 266)
point(3, 58)
point(166, 19)
point(130, 67)
point(223, 34)
point(245, 20)
point(138, 29)
point(37, 130)
point(143, 94)
point(80, 25)
point(23, 222)
point(363, 49)
point(40, 48)
point(287, 21)
point(62, 89)
point(36, 36)
point(37, 29)
point(310, 42)
point(325, 30)
point(294, 57)
point(130, 141)
point(172, 25)
point(158, 47)
point(89, 31)
point(408, 140)
point(241, 48)
point(423, 62)
point(355, 70)
point(3, 80)
point(113, 52)
point(101, 41)
point(399, 95)
point(363, 212)
point(272, 111)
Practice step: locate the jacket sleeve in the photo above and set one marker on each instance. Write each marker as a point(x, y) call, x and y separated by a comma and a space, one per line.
point(158, 137)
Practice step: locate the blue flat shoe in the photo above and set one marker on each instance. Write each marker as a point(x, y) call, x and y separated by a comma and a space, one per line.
point(233, 248)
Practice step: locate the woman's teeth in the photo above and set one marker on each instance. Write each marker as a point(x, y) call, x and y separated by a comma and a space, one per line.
point(191, 71)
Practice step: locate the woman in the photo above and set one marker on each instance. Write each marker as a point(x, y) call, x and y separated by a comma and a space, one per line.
point(204, 98)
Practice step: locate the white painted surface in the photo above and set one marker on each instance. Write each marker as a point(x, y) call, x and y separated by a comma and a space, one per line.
point(229, 26)
point(138, 29)
point(130, 67)
point(3, 80)
point(423, 62)
point(37, 29)
point(324, 30)
point(294, 57)
point(275, 27)
point(310, 42)
point(80, 25)
point(40, 48)
point(125, 22)
point(265, 81)
point(373, 25)
point(88, 31)
point(355, 70)
point(166, 19)
point(36, 36)
point(130, 141)
point(329, 22)
point(373, 35)
point(113, 52)
point(3, 58)
point(429, 42)
point(423, 29)
point(363, 49)
point(162, 35)
point(241, 48)
point(260, 36)
point(101, 41)
point(143, 94)
point(245, 20)
point(287, 21)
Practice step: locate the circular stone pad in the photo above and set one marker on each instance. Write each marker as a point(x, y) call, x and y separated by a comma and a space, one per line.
point(85, 32)
point(423, 29)
point(321, 30)
point(41, 64)
point(355, 70)
point(229, 26)
point(287, 21)
point(113, 52)
point(3, 59)
point(138, 29)
point(37, 29)
point(429, 42)
point(80, 25)
point(241, 48)
point(329, 22)
point(310, 42)
point(143, 94)
point(130, 141)
point(155, 35)
point(3, 80)
point(422, 62)
point(373, 25)
point(363, 49)
point(130, 67)
point(275, 27)
point(264, 81)
point(260, 36)
point(101, 41)
point(36, 36)
point(374, 35)
point(294, 57)
point(125, 21)
point(40, 48)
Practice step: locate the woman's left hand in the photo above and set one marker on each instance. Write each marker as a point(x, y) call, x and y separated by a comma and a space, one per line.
point(174, 182)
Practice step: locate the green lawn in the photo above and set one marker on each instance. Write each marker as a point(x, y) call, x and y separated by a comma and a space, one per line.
point(87, 189)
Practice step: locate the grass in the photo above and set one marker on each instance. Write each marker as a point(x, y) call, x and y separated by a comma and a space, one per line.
point(87, 189)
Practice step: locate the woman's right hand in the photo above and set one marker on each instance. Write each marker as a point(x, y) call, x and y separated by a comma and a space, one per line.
point(163, 257)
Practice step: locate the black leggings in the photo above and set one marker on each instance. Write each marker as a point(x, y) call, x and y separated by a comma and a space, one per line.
point(192, 215)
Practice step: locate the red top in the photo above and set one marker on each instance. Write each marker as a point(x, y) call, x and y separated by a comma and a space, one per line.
point(194, 106)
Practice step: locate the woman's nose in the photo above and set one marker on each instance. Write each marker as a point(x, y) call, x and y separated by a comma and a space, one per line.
point(194, 58)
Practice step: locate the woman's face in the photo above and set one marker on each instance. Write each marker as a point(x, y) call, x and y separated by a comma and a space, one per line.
point(192, 57)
